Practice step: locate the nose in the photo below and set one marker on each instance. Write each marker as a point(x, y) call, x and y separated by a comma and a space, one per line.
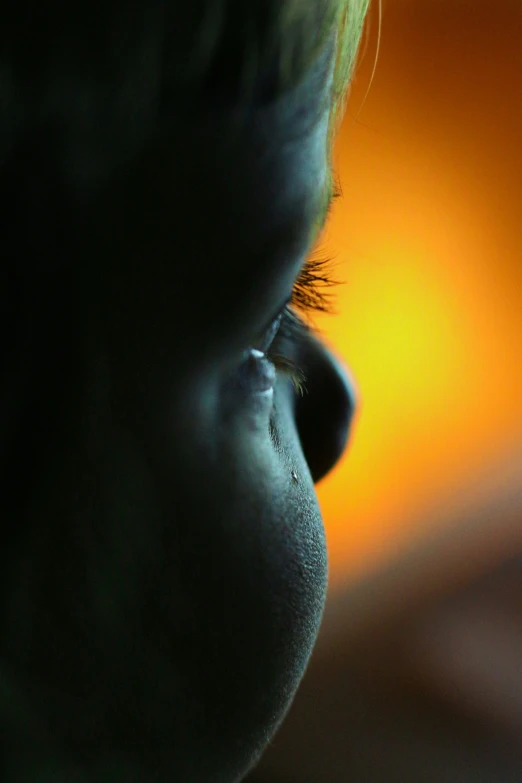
point(325, 412)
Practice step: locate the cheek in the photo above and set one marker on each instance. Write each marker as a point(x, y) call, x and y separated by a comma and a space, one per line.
point(176, 599)
point(248, 581)
point(206, 567)
point(249, 553)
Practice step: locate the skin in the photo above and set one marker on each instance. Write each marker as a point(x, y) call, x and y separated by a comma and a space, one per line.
point(167, 596)
point(428, 667)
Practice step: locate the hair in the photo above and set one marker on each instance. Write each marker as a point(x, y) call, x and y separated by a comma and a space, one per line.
point(84, 86)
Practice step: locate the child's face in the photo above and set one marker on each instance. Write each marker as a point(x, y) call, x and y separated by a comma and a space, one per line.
point(211, 481)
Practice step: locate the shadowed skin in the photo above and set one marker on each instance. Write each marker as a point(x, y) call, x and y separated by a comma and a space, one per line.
point(166, 598)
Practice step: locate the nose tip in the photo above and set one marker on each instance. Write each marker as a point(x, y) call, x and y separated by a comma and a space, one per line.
point(325, 413)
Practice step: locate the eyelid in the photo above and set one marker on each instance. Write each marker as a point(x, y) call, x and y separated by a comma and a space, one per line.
point(308, 296)
point(269, 334)
point(287, 325)
point(293, 329)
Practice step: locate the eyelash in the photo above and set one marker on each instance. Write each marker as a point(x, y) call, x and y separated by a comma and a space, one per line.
point(308, 297)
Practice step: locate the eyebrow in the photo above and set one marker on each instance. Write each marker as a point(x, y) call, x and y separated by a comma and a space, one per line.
point(331, 191)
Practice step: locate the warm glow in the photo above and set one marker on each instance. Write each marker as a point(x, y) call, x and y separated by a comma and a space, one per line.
point(431, 313)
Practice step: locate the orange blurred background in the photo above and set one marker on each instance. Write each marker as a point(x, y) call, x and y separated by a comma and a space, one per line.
point(427, 239)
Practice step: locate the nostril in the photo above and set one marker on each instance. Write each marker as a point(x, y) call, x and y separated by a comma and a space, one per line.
point(324, 415)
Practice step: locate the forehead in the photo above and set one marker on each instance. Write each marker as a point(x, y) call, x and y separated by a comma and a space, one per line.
point(227, 198)
point(260, 172)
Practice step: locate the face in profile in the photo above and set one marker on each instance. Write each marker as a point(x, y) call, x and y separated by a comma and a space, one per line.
point(172, 581)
